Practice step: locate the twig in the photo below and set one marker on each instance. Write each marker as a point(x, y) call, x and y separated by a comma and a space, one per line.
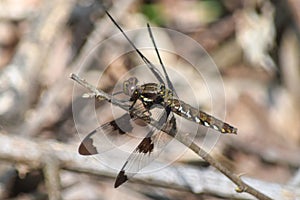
point(52, 178)
point(295, 8)
point(53, 99)
point(242, 187)
point(18, 79)
point(274, 154)
point(12, 149)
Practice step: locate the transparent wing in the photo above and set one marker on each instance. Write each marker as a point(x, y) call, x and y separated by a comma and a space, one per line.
point(148, 150)
point(107, 136)
point(114, 133)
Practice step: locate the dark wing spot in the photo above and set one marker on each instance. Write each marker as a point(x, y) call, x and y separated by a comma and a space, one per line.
point(122, 124)
point(116, 127)
point(171, 127)
point(87, 148)
point(121, 178)
point(146, 146)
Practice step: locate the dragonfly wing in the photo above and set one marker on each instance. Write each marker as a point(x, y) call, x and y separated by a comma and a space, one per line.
point(107, 136)
point(147, 151)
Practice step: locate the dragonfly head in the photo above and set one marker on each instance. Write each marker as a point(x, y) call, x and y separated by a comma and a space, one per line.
point(130, 85)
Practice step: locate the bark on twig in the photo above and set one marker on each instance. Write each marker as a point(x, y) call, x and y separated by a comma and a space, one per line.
point(52, 178)
point(12, 149)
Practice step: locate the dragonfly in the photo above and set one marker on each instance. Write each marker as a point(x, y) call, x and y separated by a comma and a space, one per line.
point(147, 98)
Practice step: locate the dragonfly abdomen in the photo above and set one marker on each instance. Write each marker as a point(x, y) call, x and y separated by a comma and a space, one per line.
point(190, 113)
point(152, 93)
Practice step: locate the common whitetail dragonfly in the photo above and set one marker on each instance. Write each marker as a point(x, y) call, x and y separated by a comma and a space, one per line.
point(148, 97)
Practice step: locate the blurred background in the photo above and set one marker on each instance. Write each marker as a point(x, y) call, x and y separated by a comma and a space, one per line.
point(254, 44)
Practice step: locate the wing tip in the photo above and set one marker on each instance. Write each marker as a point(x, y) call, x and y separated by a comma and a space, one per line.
point(87, 148)
point(82, 150)
point(121, 178)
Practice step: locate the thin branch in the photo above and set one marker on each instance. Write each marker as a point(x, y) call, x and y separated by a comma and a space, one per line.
point(12, 150)
point(242, 186)
point(52, 178)
point(18, 79)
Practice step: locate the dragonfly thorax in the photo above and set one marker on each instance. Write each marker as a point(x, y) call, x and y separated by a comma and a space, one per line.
point(151, 94)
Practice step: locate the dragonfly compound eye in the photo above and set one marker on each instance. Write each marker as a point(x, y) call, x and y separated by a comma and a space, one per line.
point(129, 86)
